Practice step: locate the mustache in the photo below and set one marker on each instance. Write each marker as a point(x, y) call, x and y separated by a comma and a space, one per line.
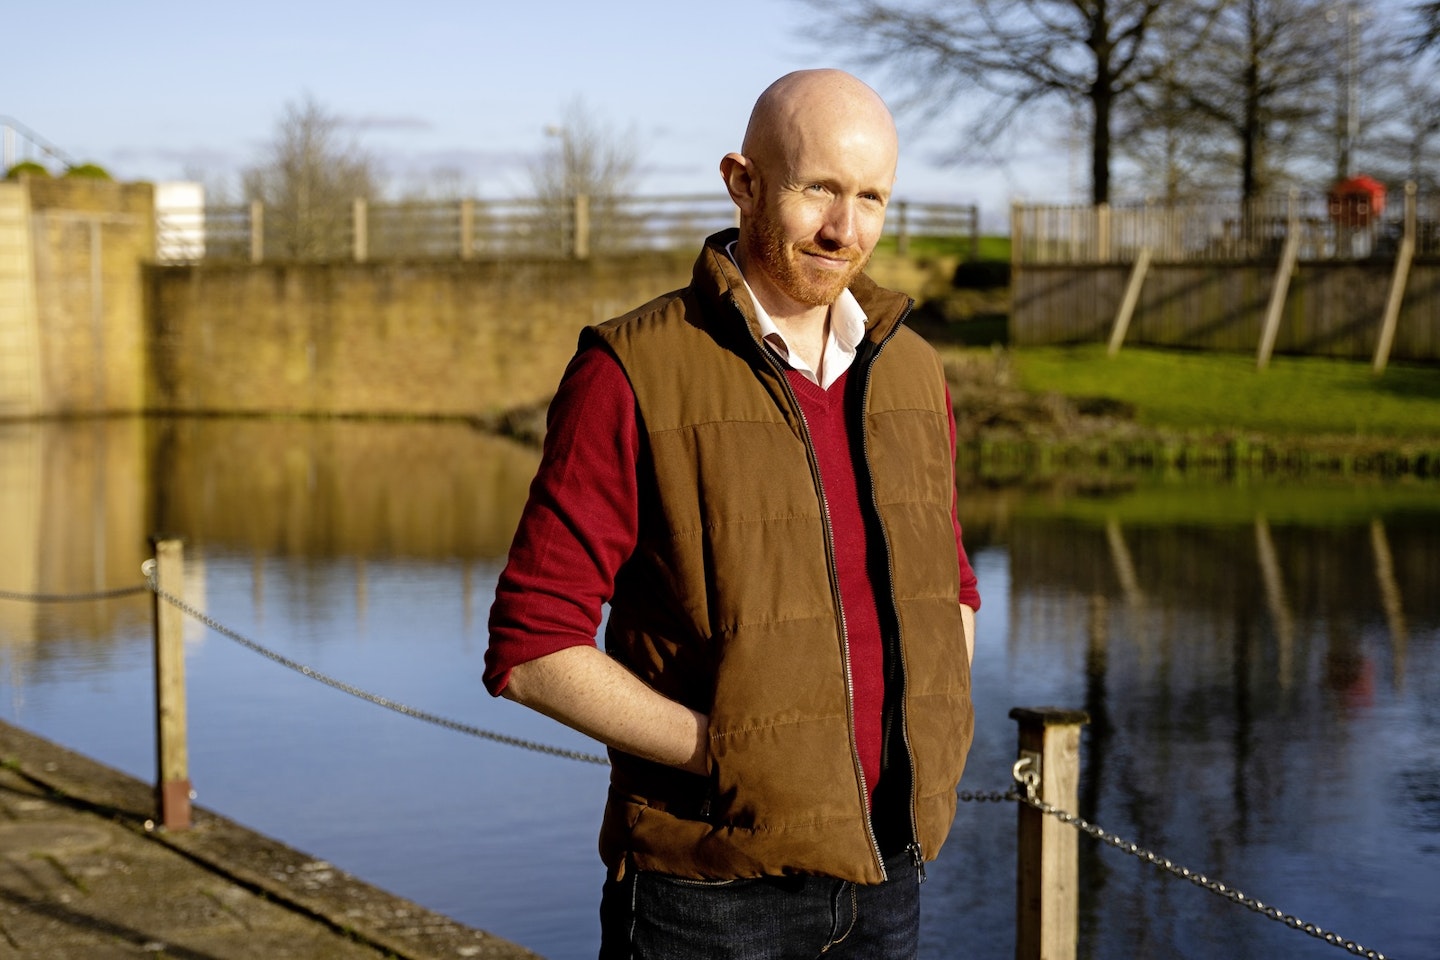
point(834, 253)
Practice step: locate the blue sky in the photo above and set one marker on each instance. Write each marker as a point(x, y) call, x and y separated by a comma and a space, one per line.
point(158, 90)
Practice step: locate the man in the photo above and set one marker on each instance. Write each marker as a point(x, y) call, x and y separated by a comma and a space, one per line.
point(756, 472)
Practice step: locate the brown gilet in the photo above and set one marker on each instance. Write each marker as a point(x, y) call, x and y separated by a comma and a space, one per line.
point(729, 603)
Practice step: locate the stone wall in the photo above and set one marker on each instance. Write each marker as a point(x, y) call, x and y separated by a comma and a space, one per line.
point(89, 324)
point(396, 338)
point(19, 323)
point(82, 252)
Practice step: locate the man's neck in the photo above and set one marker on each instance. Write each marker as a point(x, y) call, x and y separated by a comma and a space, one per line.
point(804, 326)
point(807, 337)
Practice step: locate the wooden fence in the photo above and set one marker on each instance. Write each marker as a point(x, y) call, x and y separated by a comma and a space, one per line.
point(1295, 274)
point(1218, 231)
point(476, 229)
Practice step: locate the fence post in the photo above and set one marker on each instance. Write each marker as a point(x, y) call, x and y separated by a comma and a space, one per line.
point(172, 790)
point(1132, 297)
point(1403, 258)
point(902, 237)
point(582, 226)
point(1276, 310)
point(467, 229)
point(361, 221)
point(1047, 865)
point(1017, 236)
point(257, 231)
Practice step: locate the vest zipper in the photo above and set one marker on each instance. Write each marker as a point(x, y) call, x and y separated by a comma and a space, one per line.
point(913, 848)
point(834, 590)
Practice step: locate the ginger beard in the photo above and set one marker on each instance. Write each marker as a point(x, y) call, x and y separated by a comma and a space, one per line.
point(784, 261)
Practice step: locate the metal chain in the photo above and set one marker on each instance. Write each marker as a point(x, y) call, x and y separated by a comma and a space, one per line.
point(1026, 776)
point(73, 597)
point(148, 568)
point(1023, 771)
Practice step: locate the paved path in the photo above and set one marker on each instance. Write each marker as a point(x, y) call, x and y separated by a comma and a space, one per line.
point(83, 878)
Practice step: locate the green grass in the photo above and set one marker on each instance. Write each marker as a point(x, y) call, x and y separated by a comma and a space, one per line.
point(991, 248)
point(1310, 502)
point(1225, 392)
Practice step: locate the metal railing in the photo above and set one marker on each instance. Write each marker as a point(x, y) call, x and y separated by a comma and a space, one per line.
point(18, 142)
point(478, 229)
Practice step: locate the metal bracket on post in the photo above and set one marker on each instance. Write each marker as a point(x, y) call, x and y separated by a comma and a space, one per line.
point(1028, 773)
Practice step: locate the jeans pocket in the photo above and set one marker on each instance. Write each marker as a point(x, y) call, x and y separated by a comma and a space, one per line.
point(664, 879)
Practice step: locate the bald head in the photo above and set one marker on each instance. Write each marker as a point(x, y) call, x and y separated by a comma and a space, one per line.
point(812, 183)
point(808, 105)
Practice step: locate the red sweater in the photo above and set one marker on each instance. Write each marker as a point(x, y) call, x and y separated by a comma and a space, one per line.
point(582, 521)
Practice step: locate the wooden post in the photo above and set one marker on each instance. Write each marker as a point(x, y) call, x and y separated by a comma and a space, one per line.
point(361, 230)
point(1102, 232)
point(1132, 297)
point(1281, 290)
point(1403, 258)
point(974, 232)
point(902, 238)
point(172, 790)
point(1047, 865)
point(257, 231)
point(1017, 236)
point(467, 229)
point(582, 226)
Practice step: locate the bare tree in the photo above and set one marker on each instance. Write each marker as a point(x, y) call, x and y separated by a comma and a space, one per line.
point(585, 158)
point(1171, 147)
point(1016, 54)
point(1427, 27)
point(308, 177)
point(1267, 81)
point(1403, 140)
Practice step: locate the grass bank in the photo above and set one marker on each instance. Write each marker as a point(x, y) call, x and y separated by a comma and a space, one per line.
point(1041, 412)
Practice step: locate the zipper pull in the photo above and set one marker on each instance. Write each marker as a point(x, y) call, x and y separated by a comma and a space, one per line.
point(919, 860)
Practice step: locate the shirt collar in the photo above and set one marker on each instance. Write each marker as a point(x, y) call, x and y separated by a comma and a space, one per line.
point(847, 329)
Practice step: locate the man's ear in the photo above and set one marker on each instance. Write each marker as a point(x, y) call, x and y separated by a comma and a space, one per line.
point(740, 181)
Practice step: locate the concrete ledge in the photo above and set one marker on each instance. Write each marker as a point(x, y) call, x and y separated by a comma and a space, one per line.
point(351, 908)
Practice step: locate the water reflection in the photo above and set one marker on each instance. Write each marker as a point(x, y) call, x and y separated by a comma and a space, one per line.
point(72, 520)
point(1261, 665)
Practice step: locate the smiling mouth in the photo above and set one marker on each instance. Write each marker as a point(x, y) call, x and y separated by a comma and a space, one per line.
point(829, 258)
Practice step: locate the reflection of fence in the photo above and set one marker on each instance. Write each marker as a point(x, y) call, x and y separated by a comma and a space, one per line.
point(1217, 231)
point(474, 229)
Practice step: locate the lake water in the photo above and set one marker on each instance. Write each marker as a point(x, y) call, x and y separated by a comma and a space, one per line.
point(1261, 664)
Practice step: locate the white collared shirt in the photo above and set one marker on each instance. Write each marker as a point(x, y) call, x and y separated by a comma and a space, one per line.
point(847, 329)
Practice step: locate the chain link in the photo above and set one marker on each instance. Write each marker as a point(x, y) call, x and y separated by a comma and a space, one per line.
point(148, 568)
point(1026, 777)
point(74, 597)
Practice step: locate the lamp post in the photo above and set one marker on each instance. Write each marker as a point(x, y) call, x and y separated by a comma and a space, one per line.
point(1348, 122)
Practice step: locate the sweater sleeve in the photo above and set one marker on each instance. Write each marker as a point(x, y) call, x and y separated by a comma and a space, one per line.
point(969, 587)
point(579, 524)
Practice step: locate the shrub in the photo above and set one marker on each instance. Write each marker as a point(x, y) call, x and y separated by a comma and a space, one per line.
point(26, 168)
point(982, 275)
point(88, 171)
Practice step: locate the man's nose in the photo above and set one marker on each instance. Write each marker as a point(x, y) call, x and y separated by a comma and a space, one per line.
point(839, 227)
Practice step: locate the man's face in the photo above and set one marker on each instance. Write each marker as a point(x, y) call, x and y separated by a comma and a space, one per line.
point(820, 213)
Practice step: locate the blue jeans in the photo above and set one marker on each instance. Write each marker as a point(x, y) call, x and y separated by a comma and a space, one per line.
point(651, 916)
